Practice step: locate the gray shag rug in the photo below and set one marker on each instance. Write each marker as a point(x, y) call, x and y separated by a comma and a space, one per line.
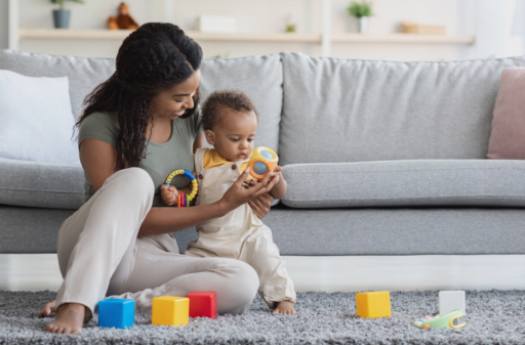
point(493, 317)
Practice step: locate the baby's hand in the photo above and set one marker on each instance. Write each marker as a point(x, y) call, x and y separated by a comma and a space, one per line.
point(169, 194)
point(278, 171)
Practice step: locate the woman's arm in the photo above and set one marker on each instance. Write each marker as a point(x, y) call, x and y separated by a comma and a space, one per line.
point(168, 219)
point(99, 160)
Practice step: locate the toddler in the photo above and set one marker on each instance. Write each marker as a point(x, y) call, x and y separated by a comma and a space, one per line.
point(229, 121)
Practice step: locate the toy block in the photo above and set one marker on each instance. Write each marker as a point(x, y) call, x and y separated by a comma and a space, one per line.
point(116, 313)
point(203, 304)
point(451, 300)
point(373, 304)
point(170, 311)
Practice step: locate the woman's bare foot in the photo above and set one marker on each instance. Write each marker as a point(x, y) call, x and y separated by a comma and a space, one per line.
point(69, 319)
point(284, 307)
point(49, 309)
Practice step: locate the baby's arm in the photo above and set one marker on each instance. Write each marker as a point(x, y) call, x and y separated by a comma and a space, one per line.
point(169, 194)
point(279, 190)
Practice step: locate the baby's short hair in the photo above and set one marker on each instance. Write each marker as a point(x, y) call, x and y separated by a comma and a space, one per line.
point(232, 99)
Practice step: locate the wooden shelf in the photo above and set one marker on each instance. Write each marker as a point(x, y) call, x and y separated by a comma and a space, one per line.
point(394, 38)
point(45, 34)
point(102, 34)
point(402, 38)
point(256, 37)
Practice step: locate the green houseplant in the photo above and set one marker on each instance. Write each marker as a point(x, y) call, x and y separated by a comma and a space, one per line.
point(61, 15)
point(361, 10)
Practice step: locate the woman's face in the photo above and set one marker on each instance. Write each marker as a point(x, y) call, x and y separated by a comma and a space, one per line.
point(173, 102)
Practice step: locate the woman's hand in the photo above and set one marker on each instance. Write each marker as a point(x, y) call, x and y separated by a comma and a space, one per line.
point(244, 190)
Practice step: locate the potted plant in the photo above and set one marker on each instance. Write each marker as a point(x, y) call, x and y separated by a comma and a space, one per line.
point(61, 15)
point(361, 10)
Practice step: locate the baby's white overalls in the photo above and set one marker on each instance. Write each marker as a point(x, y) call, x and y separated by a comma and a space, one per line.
point(240, 234)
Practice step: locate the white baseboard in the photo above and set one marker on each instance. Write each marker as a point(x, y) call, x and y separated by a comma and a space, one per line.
point(403, 273)
point(328, 273)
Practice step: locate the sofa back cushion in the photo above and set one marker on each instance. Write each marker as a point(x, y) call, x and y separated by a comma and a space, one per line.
point(337, 110)
point(260, 77)
point(83, 73)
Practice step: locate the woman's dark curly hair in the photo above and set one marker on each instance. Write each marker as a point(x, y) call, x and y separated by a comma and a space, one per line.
point(153, 58)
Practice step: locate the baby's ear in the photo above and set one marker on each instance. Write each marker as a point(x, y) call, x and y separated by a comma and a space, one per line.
point(210, 136)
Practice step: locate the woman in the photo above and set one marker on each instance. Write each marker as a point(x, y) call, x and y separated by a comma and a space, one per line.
point(138, 126)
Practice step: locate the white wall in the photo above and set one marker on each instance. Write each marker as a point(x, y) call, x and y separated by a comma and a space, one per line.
point(4, 24)
point(493, 23)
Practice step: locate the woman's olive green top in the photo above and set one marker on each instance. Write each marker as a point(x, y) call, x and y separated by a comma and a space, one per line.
point(160, 159)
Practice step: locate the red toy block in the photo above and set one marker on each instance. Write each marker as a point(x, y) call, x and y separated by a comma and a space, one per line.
point(203, 304)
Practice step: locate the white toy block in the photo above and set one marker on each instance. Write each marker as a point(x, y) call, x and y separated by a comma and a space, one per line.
point(451, 300)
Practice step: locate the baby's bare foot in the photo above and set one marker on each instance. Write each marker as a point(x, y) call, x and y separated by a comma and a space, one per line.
point(48, 310)
point(284, 307)
point(69, 319)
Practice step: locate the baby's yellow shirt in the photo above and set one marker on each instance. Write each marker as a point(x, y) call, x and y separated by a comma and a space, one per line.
point(212, 159)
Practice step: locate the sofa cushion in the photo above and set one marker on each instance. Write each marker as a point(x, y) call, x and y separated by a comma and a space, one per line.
point(37, 122)
point(84, 73)
point(33, 184)
point(507, 136)
point(406, 183)
point(337, 110)
point(261, 78)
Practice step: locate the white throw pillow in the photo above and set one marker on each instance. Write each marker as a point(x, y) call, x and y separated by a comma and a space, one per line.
point(36, 120)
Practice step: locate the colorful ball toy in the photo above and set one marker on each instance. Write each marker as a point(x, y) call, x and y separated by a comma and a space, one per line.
point(184, 199)
point(262, 161)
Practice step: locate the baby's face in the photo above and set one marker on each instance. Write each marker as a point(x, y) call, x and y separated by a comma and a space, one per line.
point(234, 133)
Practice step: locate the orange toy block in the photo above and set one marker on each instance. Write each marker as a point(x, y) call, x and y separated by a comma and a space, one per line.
point(373, 304)
point(170, 311)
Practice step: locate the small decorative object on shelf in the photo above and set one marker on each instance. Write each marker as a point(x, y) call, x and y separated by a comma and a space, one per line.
point(361, 10)
point(408, 27)
point(123, 20)
point(290, 25)
point(61, 15)
point(216, 24)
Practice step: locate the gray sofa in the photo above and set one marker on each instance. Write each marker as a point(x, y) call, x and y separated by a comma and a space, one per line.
point(381, 158)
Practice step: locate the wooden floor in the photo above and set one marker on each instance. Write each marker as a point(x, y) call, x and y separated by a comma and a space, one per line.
point(334, 273)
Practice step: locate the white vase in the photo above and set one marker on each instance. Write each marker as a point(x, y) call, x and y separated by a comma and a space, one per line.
point(362, 25)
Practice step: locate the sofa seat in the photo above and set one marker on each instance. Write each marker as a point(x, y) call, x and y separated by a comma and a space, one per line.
point(41, 185)
point(406, 183)
point(368, 231)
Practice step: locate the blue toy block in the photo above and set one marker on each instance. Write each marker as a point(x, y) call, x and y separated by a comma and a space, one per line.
point(116, 313)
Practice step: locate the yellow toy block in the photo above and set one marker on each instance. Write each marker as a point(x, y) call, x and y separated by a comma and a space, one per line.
point(170, 311)
point(373, 304)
